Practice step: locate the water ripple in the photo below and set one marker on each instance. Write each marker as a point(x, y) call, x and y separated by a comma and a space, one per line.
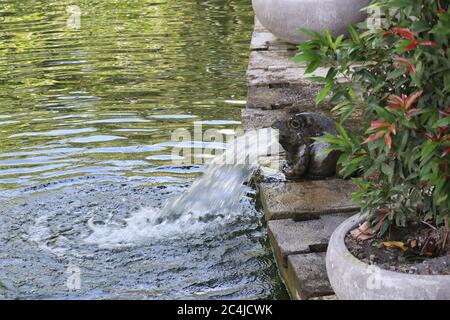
point(86, 117)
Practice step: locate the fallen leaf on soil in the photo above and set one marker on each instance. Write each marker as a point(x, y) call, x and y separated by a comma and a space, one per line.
point(397, 244)
point(431, 247)
point(363, 232)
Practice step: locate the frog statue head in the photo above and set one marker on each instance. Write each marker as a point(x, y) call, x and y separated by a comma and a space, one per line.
point(296, 135)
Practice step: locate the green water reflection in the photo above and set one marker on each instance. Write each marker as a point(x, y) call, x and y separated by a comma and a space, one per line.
point(98, 98)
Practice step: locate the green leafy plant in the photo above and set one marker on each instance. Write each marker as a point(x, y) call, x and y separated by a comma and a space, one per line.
point(396, 76)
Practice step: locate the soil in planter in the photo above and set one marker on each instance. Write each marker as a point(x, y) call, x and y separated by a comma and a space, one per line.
point(406, 250)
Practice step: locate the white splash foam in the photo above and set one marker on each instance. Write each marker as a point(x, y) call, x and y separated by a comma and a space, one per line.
point(216, 196)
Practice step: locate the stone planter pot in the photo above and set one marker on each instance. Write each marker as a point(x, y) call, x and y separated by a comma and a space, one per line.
point(353, 279)
point(284, 18)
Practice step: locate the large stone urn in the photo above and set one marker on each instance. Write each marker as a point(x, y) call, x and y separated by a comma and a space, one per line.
point(353, 279)
point(284, 18)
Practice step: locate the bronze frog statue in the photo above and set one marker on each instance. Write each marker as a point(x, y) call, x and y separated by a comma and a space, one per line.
point(303, 158)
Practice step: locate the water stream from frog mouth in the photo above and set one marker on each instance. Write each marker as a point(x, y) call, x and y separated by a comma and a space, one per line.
point(215, 196)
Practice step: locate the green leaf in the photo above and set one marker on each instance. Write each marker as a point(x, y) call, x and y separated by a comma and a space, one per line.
point(354, 34)
point(313, 66)
point(324, 92)
point(442, 122)
point(395, 74)
point(429, 148)
point(306, 57)
point(384, 227)
point(387, 170)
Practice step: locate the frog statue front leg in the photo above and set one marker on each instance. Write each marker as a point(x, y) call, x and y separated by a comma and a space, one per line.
point(304, 154)
point(298, 163)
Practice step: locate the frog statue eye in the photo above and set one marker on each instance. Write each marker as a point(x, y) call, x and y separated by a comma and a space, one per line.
point(294, 124)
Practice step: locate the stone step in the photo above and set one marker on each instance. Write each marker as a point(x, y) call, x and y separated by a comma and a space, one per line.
point(306, 199)
point(290, 237)
point(273, 76)
point(307, 276)
point(272, 60)
point(253, 119)
point(264, 40)
point(285, 96)
point(274, 80)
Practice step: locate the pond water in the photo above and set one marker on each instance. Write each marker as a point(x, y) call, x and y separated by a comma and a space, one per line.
point(89, 98)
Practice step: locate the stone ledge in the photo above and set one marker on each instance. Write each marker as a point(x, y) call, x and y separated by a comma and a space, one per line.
point(264, 40)
point(274, 80)
point(272, 77)
point(272, 60)
point(307, 275)
point(282, 96)
point(307, 199)
point(290, 237)
point(253, 119)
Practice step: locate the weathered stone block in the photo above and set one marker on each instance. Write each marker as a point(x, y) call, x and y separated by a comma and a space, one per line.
point(275, 59)
point(253, 119)
point(273, 77)
point(307, 274)
point(281, 96)
point(262, 41)
point(274, 80)
point(306, 199)
point(292, 237)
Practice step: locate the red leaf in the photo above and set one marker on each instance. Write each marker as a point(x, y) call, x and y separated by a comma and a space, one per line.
point(441, 9)
point(387, 33)
point(405, 61)
point(396, 102)
point(392, 129)
point(446, 112)
point(374, 137)
point(428, 43)
point(442, 131)
point(399, 99)
point(405, 33)
point(446, 152)
point(395, 106)
point(380, 223)
point(377, 124)
point(424, 183)
point(429, 136)
point(412, 46)
point(388, 140)
point(411, 111)
point(412, 99)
